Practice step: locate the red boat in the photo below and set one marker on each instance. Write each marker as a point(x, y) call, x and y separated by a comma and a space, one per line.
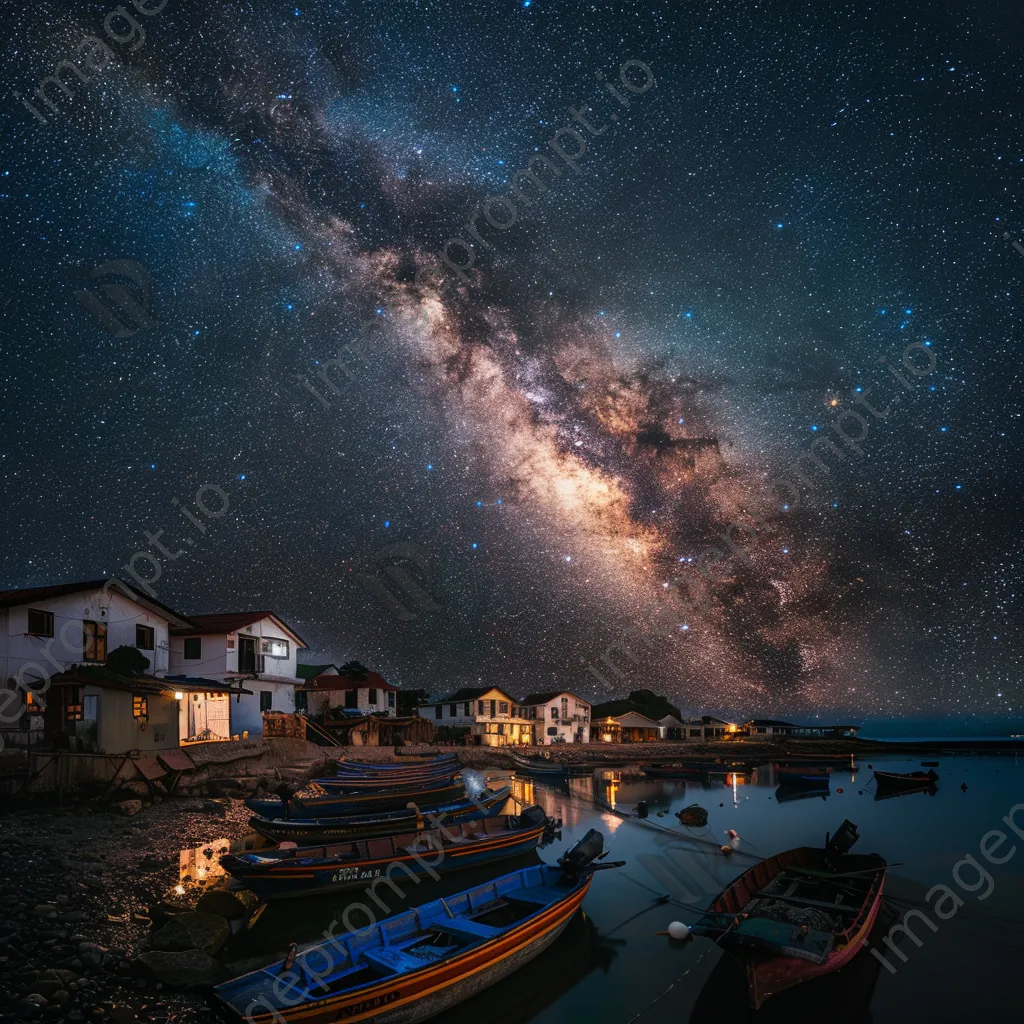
point(798, 915)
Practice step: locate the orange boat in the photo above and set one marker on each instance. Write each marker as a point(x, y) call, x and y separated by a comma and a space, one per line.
point(798, 915)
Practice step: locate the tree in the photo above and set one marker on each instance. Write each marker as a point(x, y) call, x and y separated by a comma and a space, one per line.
point(354, 670)
point(410, 700)
point(127, 661)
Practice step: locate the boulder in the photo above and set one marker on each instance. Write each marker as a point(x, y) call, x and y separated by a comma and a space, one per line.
point(187, 969)
point(229, 905)
point(130, 807)
point(193, 930)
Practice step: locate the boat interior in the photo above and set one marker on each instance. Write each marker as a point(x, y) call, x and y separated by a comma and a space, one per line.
point(407, 942)
point(796, 908)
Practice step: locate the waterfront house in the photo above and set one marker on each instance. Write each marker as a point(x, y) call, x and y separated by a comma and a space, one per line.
point(632, 727)
point(255, 649)
point(353, 691)
point(710, 728)
point(671, 728)
point(481, 714)
point(557, 716)
point(47, 630)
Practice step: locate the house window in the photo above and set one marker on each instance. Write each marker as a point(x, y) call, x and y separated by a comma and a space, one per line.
point(73, 704)
point(372, 696)
point(140, 706)
point(351, 698)
point(503, 707)
point(31, 704)
point(91, 707)
point(274, 648)
point(438, 710)
point(144, 637)
point(94, 637)
point(193, 648)
point(391, 698)
point(40, 623)
point(465, 709)
point(301, 700)
point(266, 699)
point(453, 710)
point(231, 643)
point(494, 708)
point(554, 712)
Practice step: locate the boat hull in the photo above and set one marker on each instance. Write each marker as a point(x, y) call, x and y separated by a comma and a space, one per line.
point(320, 830)
point(292, 879)
point(352, 803)
point(803, 779)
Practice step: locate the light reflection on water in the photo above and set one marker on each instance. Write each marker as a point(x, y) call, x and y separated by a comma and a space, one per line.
point(611, 964)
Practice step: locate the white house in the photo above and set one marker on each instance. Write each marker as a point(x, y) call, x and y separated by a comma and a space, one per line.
point(46, 630)
point(556, 717)
point(486, 713)
point(365, 693)
point(258, 647)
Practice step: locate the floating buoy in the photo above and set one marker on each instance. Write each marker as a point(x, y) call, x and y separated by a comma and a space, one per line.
point(839, 789)
point(677, 930)
point(726, 850)
point(731, 833)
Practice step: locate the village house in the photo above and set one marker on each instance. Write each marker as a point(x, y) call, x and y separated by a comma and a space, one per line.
point(46, 631)
point(307, 672)
point(632, 727)
point(557, 716)
point(483, 714)
point(257, 650)
point(772, 727)
point(355, 693)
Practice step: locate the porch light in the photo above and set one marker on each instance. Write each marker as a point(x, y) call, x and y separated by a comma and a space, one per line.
point(178, 695)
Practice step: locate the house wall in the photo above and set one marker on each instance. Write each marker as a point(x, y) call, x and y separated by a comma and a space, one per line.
point(119, 731)
point(336, 698)
point(39, 657)
point(245, 709)
point(493, 730)
point(574, 729)
point(214, 663)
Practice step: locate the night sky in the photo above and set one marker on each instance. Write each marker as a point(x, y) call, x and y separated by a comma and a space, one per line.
point(515, 470)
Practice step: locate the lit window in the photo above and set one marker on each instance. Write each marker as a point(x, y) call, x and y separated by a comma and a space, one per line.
point(140, 707)
point(40, 623)
point(274, 648)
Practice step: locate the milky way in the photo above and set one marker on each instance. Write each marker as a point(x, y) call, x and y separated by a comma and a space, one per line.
point(560, 434)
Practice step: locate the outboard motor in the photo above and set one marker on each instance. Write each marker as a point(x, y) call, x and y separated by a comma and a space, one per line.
point(841, 843)
point(532, 816)
point(583, 854)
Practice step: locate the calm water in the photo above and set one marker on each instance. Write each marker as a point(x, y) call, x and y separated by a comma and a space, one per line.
point(610, 965)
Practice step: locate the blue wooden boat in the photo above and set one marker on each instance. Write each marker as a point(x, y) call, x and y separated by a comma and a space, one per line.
point(390, 780)
point(424, 961)
point(307, 870)
point(313, 804)
point(384, 823)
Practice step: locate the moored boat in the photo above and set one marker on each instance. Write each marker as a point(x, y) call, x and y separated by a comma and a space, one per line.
point(307, 870)
point(424, 961)
point(538, 766)
point(381, 767)
point(683, 769)
point(803, 778)
point(318, 803)
point(351, 778)
point(892, 783)
point(365, 826)
point(798, 915)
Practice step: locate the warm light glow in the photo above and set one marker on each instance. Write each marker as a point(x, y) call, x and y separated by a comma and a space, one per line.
point(607, 737)
point(178, 695)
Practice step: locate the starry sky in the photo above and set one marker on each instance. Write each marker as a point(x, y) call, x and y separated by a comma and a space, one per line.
point(789, 224)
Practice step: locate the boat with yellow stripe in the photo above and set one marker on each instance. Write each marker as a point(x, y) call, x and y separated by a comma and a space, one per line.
point(424, 961)
point(293, 871)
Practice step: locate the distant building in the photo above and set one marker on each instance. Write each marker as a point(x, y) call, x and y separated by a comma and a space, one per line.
point(707, 727)
point(259, 648)
point(671, 728)
point(557, 716)
point(773, 727)
point(360, 693)
point(483, 714)
point(307, 672)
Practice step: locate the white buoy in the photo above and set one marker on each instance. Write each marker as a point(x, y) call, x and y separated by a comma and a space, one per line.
point(678, 930)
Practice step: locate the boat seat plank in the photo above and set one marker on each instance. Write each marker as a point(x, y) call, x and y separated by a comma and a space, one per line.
point(391, 960)
point(465, 929)
point(841, 908)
